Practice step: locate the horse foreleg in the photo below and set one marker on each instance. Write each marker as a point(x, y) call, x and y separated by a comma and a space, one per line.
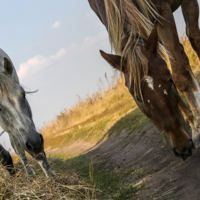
point(6, 160)
point(190, 11)
point(181, 72)
point(21, 153)
point(42, 160)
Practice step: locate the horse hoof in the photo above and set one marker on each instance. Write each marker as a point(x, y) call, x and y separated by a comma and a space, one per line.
point(30, 172)
point(51, 174)
point(54, 176)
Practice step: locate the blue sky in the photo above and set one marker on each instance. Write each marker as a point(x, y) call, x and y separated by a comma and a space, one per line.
point(54, 46)
point(27, 28)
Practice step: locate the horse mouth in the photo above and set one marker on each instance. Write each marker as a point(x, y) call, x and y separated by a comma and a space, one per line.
point(183, 156)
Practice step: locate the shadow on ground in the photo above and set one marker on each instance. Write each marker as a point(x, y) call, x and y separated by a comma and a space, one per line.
point(146, 159)
point(168, 177)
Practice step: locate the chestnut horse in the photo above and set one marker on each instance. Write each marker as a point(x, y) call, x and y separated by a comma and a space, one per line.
point(141, 60)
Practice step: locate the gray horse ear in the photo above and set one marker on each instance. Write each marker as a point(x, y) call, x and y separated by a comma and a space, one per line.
point(7, 68)
point(151, 46)
point(113, 60)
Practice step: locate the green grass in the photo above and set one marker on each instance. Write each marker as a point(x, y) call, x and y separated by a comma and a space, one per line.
point(134, 121)
point(107, 184)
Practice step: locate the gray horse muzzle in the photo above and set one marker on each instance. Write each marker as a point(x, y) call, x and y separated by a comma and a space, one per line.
point(35, 144)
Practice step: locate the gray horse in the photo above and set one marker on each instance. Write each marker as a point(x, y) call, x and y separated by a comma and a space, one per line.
point(16, 120)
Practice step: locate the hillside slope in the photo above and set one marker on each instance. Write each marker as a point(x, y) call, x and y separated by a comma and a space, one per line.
point(133, 149)
point(111, 132)
point(93, 118)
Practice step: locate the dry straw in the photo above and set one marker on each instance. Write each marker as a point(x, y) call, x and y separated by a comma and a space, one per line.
point(66, 186)
point(105, 98)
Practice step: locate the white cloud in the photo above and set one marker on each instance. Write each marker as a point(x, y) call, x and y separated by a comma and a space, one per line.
point(72, 70)
point(59, 54)
point(56, 24)
point(38, 63)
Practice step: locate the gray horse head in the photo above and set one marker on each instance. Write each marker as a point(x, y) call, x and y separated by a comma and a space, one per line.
point(16, 117)
point(15, 112)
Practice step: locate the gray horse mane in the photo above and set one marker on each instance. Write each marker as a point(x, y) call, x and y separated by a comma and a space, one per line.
point(7, 84)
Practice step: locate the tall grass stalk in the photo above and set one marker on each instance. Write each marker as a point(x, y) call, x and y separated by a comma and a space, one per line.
point(86, 108)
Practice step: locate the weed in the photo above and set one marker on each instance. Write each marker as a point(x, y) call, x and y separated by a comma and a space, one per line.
point(129, 193)
point(135, 120)
point(88, 108)
point(108, 184)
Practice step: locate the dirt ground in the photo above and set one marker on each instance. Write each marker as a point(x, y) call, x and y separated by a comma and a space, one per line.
point(168, 178)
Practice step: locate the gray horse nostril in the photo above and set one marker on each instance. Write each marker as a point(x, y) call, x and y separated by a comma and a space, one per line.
point(29, 147)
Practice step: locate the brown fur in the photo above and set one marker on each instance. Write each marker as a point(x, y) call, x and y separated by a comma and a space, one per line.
point(140, 54)
point(181, 71)
point(128, 30)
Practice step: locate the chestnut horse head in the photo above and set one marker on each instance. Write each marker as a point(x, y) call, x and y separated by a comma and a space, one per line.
point(160, 97)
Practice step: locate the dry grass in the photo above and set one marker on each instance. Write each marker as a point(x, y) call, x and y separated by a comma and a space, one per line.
point(78, 178)
point(65, 186)
point(87, 108)
point(193, 58)
point(103, 100)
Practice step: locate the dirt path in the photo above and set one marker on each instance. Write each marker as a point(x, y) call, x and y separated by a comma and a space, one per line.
point(168, 177)
point(165, 176)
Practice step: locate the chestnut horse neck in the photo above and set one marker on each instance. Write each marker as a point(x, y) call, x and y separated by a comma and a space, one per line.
point(129, 26)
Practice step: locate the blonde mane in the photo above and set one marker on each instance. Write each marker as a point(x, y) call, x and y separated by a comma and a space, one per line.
point(129, 26)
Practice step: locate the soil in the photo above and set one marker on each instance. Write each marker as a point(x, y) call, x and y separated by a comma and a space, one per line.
point(168, 177)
